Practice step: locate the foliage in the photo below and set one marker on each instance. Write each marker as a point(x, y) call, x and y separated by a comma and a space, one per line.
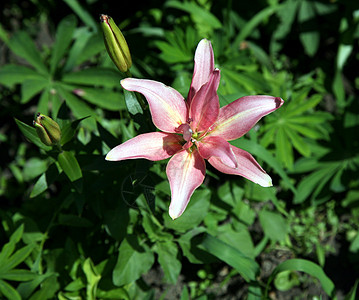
point(74, 226)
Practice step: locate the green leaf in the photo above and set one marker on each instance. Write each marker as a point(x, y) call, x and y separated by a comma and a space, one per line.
point(30, 133)
point(13, 74)
point(79, 108)
point(352, 295)
point(239, 239)
point(94, 76)
point(9, 247)
point(274, 225)
point(68, 131)
point(25, 289)
point(82, 13)
point(297, 142)
point(32, 87)
point(82, 36)
point(308, 267)
point(246, 266)
point(8, 291)
point(167, 257)
point(18, 257)
point(69, 165)
point(309, 38)
point(18, 275)
point(205, 20)
point(255, 21)
point(92, 277)
point(194, 213)
point(134, 260)
point(284, 148)
point(64, 35)
point(338, 89)
point(313, 181)
point(133, 105)
point(107, 99)
point(22, 45)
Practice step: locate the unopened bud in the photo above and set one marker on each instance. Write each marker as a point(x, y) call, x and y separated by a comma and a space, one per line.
point(115, 44)
point(47, 129)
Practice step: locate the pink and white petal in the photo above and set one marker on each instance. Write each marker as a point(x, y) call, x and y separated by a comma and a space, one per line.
point(152, 146)
point(168, 107)
point(247, 167)
point(203, 67)
point(238, 117)
point(185, 172)
point(204, 107)
point(215, 146)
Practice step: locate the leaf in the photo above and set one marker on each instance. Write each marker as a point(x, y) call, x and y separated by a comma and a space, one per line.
point(82, 36)
point(32, 87)
point(22, 45)
point(64, 35)
point(308, 267)
point(82, 13)
point(30, 133)
point(18, 275)
point(313, 182)
point(194, 213)
point(79, 108)
point(133, 105)
point(167, 257)
point(309, 38)
point(134, 259)
point(69, 165)
point(92, 277)
point(15, 259)
point(68, 131)
point(107, 99)
point(274, 225)
point(8, 291)
point(297, 142)
point(13, 74)
point(94, 76)
point(246, 266)
point(205, 20)
point(25, 289)
point(255, 21)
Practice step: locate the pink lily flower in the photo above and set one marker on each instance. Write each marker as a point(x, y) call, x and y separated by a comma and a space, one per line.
point(195, 130)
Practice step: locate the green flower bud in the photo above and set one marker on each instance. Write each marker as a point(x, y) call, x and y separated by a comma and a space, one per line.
point(115, 44)
point(47, 129)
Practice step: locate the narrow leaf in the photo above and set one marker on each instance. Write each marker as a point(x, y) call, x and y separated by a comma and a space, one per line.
point(69, 164)
point(246, 266)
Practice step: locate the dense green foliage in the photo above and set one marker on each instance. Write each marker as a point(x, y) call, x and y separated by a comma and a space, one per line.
point(74, 226)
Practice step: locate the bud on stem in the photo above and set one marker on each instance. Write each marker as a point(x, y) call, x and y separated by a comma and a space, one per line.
point(116, 44)
point(47, 129)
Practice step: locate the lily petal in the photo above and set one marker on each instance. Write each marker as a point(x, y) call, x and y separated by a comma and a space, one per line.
point(168, 108)
point(152, 146)
point(185, 172)
point(238, 117)
point(215, 146)
point(204, 107)
point(247, 167)
point(203, 67)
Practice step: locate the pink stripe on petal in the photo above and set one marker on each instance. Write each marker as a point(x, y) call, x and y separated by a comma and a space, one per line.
point(152, 146)
point(238, 117)
point(168, 108)
point(203, 67)
point(185, 172)
point(247, 167)
point(204, 108)
point(214, 146)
